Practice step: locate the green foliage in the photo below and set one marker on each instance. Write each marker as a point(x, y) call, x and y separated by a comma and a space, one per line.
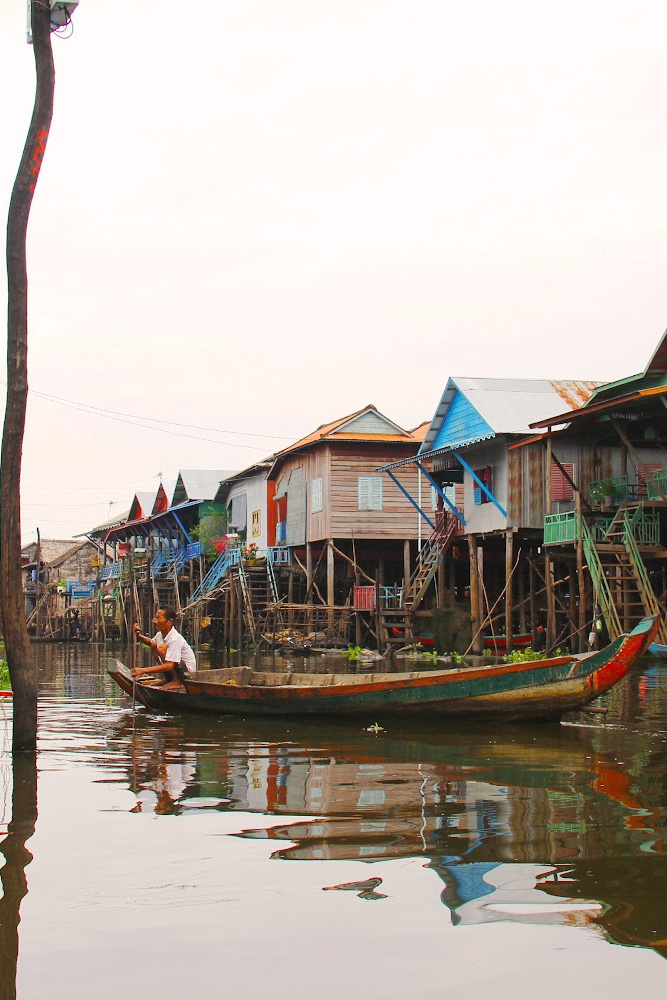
point(456, 657)
point(353, 653)
point(424, 654)
point(5, 683)
point(210, 529)
point(525, 655)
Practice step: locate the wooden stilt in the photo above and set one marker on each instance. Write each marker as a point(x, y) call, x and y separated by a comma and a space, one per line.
point(475, 619)
point(551, 604)
point(509, 564)
point(330, 582)
point(532, 595)
point(521, 593)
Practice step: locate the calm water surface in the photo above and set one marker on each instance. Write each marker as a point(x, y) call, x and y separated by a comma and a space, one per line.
point(161, 856)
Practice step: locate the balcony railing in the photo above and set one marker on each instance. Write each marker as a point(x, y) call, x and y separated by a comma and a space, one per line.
point(656, 484)
point(110, 572)
point(563, 528)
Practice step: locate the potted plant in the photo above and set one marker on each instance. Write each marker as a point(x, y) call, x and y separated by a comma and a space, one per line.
point(250, 554)
point(603, 492)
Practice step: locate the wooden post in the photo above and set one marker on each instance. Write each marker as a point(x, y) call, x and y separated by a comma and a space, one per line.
point(532, 586)
point(521, 589)
point(38, 562)
point(309, 584)
point(509, 551)
point(331, 593)
point(232, 612)
point(551, 604)
point(309, 573)
point(572, 605)
point(478, 641)
point(482, 610)
point(406, 564)
point(442, 603)
point(581, 581)
point(22, 668)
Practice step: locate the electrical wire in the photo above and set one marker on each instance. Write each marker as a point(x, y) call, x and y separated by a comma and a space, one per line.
point(117, 414)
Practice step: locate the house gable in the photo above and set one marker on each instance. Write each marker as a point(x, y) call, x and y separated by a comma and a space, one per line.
point(369, 422)
point(461, 424)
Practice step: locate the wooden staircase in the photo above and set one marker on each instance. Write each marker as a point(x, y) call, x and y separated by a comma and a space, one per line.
point(621, 582)
point(430, 558)
point(258, 587)
point(396, 626)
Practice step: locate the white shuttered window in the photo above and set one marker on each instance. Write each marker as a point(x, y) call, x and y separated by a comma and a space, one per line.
point(316, 495)
point(370, 492)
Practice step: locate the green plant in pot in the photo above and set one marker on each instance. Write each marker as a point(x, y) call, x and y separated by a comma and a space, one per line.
point(603, 492)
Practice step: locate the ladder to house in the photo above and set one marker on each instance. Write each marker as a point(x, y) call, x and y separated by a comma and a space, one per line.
point(620, 579)
point(258, 586)
point(396, 629)
point(429, 559)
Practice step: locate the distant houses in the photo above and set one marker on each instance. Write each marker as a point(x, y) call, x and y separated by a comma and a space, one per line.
point(532, 507)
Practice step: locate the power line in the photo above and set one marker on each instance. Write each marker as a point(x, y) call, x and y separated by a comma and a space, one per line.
point(133, 418)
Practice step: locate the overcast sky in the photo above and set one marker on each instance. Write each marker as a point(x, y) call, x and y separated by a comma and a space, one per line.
point(257, 217)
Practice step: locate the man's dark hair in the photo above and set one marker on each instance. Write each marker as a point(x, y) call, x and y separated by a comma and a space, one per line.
point(170, 614)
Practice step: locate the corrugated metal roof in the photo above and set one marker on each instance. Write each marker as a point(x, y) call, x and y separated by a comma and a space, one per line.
point(509, 406)
point(199, 484)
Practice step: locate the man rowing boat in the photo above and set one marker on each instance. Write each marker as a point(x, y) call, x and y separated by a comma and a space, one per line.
point(173, 656)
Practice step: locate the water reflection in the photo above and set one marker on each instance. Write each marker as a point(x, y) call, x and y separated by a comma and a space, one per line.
point(12, 874)
point(532, 825)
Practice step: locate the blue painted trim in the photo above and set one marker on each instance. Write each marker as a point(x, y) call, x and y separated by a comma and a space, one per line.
point(413, 502)
point(178, 522)
point(480, 483)
point(442, 494)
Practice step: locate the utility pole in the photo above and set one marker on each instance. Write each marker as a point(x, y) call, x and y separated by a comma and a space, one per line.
point(22, 669)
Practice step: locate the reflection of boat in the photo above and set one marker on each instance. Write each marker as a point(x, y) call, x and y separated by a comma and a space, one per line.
point(535, 689)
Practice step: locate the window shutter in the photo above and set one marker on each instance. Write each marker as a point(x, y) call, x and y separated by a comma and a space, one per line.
point(560, 488)
point(485, 475)
point(370, 492)
point(316, 495)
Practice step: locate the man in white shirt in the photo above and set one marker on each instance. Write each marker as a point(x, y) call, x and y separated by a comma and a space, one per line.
point(173, 656)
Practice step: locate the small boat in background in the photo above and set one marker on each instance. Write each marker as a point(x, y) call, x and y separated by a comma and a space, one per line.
point(533, 689)
point(498, 643)
point(659, 650)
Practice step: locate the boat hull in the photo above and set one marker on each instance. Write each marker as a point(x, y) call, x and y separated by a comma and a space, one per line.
point(533, 690)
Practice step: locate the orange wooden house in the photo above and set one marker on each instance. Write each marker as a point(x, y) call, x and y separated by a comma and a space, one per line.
point(336, 511)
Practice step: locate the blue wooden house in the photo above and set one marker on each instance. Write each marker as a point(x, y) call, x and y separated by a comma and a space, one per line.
point(501, 500)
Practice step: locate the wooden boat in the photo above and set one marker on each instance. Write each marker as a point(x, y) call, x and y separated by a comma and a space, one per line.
point(498, 643)
point(6, 694)
point(659, 650)
point(535, 689)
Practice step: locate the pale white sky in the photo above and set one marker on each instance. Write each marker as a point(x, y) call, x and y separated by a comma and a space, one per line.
point(261, 216)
